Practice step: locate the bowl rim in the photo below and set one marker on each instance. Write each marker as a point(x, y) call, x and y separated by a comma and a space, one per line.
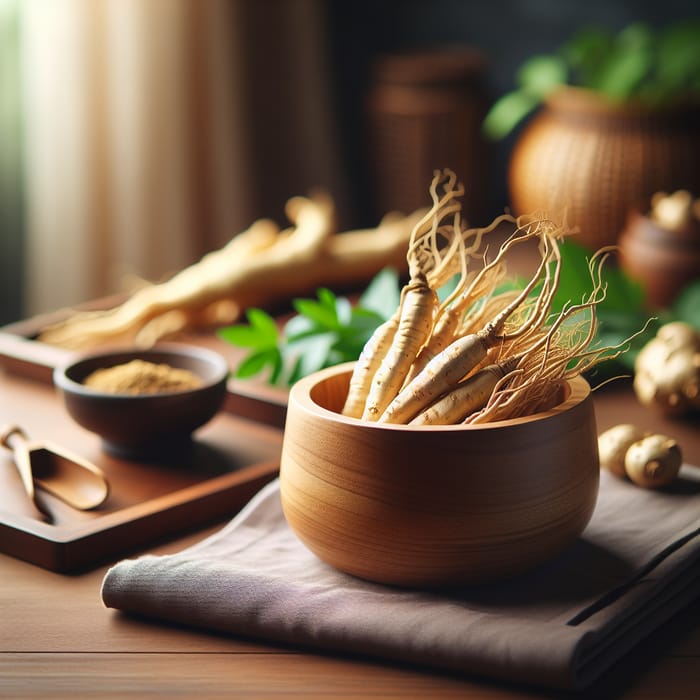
point(65, 383)
point(578, 391)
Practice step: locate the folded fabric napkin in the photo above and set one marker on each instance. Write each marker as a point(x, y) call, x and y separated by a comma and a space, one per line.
point(635, 566)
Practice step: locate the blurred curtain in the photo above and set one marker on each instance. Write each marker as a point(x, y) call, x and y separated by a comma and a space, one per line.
point(11, 205)
point(154, 130)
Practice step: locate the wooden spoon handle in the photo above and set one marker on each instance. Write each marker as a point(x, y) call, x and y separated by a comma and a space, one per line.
point(7, 431)
point(15, 439)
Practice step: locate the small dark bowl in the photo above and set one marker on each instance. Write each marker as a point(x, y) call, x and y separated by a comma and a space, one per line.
point(143, 424)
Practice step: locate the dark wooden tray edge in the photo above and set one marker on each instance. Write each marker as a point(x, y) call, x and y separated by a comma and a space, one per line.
point(210, 502)
point(167, 516)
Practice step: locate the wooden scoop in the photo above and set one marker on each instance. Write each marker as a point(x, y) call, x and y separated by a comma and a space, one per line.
point(75, 481)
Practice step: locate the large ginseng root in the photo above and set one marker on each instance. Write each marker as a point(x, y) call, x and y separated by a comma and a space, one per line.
point(260, 266)
point(487, 351)
point(450, 366)
point(437, 248)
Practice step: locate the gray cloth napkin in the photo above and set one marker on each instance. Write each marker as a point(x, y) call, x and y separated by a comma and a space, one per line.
point(634, 567)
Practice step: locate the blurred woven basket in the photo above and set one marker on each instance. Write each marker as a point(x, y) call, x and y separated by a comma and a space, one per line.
point(425, 111)
point(596, 160)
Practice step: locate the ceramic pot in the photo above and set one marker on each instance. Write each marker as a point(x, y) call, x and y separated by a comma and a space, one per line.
point(663, 260)
point(150, 424)
point(436, 505)
point(596, 160)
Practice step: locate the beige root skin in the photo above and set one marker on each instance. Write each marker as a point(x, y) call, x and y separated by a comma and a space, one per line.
point(414, 326)
point(653, 461)
point(453, 364)
point(367, 364)
point(495, 356)
point(467, 397)
point(436, 245)
point(613, 445)
point(648, 460)
point(674, 211)
point(259, 266)
point(667, 370)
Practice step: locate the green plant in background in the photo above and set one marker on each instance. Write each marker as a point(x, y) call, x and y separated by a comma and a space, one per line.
point(654, 66)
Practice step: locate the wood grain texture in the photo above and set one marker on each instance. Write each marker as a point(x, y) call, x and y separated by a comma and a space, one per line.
point(435, 505)
point(227, 462)
point(249, 676)
point(57, 640)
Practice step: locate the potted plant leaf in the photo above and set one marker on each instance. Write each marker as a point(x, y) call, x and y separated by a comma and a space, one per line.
point(618, 120)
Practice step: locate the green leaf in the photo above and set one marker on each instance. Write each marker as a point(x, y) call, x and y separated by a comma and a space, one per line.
point(263, 323)
point(298, 326)
point(256, 362)
point(382, 294)
point(362, 322)
point(638, 36)
point(311, 352)
point(343, 312)
point(507, 112)
point(327, 298)
point(614, 65)
point(678, 56)
point(621, 315)
point(259, 334)
point(622, 293)
point(586, 53)
point(625, 72)
point(639, 62)
point(687, 305)
point(318, 312)
point(575, 278)
point(353, 336)
point(242, 335)
point(539, 75)
point(633, 327)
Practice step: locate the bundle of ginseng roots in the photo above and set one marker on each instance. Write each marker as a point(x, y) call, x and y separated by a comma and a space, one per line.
point(490, 350)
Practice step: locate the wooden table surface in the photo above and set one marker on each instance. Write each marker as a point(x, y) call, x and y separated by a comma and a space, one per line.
point(58, 640)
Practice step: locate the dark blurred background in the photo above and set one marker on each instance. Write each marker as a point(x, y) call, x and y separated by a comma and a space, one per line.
point(506, 31)
point(135, 137)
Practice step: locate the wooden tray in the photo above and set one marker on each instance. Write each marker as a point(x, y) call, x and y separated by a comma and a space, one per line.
point(230, 458)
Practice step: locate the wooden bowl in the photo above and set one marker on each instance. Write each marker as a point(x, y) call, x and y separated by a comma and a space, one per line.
point(144, 425)
point(437, 505)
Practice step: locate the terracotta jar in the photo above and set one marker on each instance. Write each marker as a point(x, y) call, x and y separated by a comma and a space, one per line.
point(662, 259)
point(596, 160)
point(425, 111)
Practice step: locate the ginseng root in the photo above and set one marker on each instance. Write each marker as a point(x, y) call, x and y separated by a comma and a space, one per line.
point(562, 350)
point(469, 396)
point(388, 355)
point(368, 363)
point(462, 356)
point(260, 266)
point(415, 324)
point(490, 354)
